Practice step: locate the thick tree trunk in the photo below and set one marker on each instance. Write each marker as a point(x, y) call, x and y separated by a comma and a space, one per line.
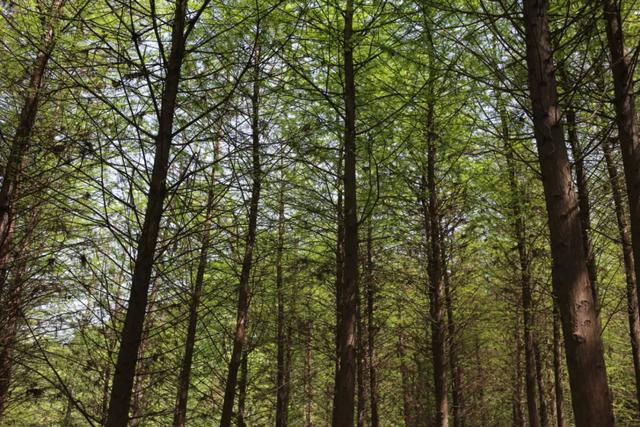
point(525, 276)
point(240, 337)
point(345, 375)
point(629, 269)
point(622, 68)
point(584, 349)
point(371, 331)
point(131, 334)
point(180, 411)
point(282, 385)
point(583, 202)
point(557, 367)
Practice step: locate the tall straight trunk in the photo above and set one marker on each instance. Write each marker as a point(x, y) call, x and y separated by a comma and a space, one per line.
point(629, 272)
point(557, 367)
point(308, 375)
point(518, 412)
point(339, 272)
point(282, 386)
point(525, 276)
point(408, 401)
point(360, 365)
point(570, 276)
point(371, 331)
point(180, 411)
point(583, 201)
point(242, 390)
point(131, 334)
point(345, 375)
point(622, 68)
point(240, 337)
point(481, 382)
point(19, 148)
point(454, 365)
point(436, 279)
point(544, 417)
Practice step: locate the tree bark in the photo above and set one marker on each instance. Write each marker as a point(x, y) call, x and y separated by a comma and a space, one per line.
point(361, 364)
point(557, 367)
point(282, 385)
point(544, 417)
point(371, 331)
point(308, 375)
point(242, 390)
point(408, 401)
point(622, 68)
point(629, 269)
point(240, 337)
point(518, 412)
point(345, 375)
point(180, 411)
point(584, 349)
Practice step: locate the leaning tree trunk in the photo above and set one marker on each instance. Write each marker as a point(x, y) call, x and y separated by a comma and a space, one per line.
point(570, 276)
point(240, 335)
point(180, 411)
point(622, 68)
point(131, 334)
point(627, 252)
point(346, 372)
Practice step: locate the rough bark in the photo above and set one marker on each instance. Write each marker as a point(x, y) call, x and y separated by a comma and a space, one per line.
point(130, 338)
point(622, 68)
point(557, 368)
point(240, 334)
point(180, 411)
point(584, 349)
point(629, 269)
point(345, 375)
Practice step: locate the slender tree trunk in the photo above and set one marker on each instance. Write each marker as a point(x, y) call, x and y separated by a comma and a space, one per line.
point(544, 417)
point(131, 334)
point(308, 375)
point(240, 337)
point(525, 276)
point(361, 365)
point(622, 68)
point(629, 269)
point(481, 382)
point(584, 349)
point(557, 367)
point(282, 386)
point(19, 148)
point(345, 378)
point(242, 390)
point(436, 279)
point(518, 412)
point(339, 274)
point(180, 411)
point(583, 201)
point(408, 402)
point(371, 331)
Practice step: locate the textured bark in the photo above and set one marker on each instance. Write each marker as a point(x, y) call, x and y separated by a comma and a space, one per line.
point(622, 68)
point(345, 375)
point(240, 334)
point(583, 202)
point(131, 334)
point(180, 411)
point(584, 350)
point(629, 269)
point(371, 331)
point(282, 385)
point(557, 368)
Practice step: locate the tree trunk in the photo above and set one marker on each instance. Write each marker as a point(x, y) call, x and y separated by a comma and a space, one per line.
point(584, 349)
point(408, 402)
point(518, 412)
point(557, 367)
point(361, 364)
point(436, 280)
point(583, 202)
point(627, 252)
point(240, 337)
point(622, 68)
point(454, 365)
point(371, 331)
point(282, 386)
point(544, 417)
point(308, 375)
point(345, 378)
point(525, 277)
point(242, 390)
point(180, 411)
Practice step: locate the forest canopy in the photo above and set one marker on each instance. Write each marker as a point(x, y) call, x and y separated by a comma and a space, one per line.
point(319, 213)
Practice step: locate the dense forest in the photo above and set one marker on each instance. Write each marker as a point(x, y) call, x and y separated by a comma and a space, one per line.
point(319, 213)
